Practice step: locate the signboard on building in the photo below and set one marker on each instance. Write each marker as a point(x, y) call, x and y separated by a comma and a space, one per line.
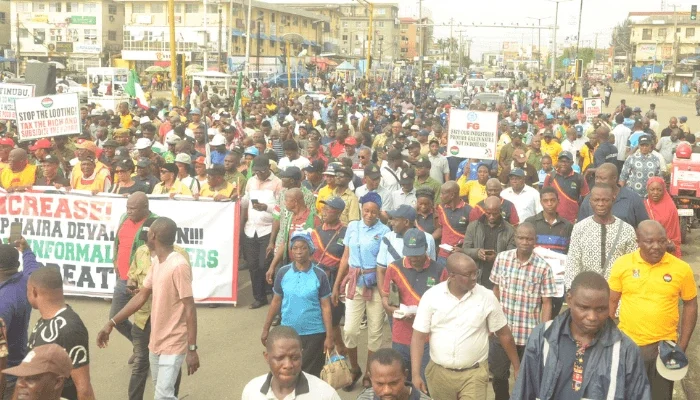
point(472, 134)
point(64, 47)
point(146, 55)
point(592, 107)
point(85, 48)
point(645, 52)
point(40, 18)
point(8, 93)
point(83, 20)
point(47, 116)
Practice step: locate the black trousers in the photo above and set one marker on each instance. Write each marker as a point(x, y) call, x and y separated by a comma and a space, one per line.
point(258, 263)
point(312, 355)
point(557, 303)
point(499, 366)
point(661, 388)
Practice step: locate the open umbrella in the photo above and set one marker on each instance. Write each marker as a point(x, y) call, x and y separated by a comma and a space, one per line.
point(192, 68)
point(154, 69)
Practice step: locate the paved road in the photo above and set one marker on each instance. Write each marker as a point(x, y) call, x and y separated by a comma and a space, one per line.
point(230, 349)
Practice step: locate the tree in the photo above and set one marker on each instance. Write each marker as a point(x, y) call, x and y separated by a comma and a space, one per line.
point(587, 54)
point(621, 36)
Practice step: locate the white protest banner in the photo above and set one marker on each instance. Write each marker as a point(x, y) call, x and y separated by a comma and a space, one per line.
point(592, 107)
point(76, 233)
point(8, 93)
point(46, 116)
point(473, 134)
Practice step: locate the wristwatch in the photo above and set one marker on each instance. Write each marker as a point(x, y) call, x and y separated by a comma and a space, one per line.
point(192, 347)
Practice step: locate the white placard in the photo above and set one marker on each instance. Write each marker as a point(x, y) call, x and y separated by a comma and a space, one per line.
point(473, 134)
point(47, 116)
point(8, 93)
point(592, 107)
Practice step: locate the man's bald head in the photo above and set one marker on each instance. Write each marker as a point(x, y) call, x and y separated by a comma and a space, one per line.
point(137, 206)
point(18, 155)
point(650, 227)
point(493, 187)
point(458, 262)
point(603, 133)
point(609, 168)
point(492, 202)
point(450, 186)
point(525, 227)
point(165, 231)
point(295, 194)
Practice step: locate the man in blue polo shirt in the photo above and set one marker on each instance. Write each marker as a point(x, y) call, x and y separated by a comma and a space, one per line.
point(14, 306)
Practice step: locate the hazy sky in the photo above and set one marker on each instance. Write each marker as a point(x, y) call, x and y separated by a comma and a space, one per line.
point(599, 16)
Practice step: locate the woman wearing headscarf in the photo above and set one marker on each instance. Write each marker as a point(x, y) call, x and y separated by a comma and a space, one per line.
point(302, 293)
point(661, 208)
point(357, 278)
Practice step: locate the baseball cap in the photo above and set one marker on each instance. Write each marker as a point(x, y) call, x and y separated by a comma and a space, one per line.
point(334, 202)
point(121, 152)
point(48, 358)
point(350, 141)
point(316, 166)
point(172, 138)
point(579, 130)
point(143, 143)
point(414, 243)
point(407, 176)
point(7, 142)
point(683, 119)
point(404, 211)
point(637, 109)
point(88, 145)
point(252, 150)
point(423, 132)
point(372, 171)
point(50, 159)
point(566, 154)
point(125, 164)
point(341, 170)
point(423, 162)
point(121, 132)
point(671, 362)
point(143, 163)
point(200, 160)
point(41, 144)
point(216, 170)
point(415, 128)
point(218, 140)
point(195, 111)
point(110, 143)
point(330, 169)
point(291, 172)
point(261, 163)
point(518, 172)
point(548, 133)
point(644, 139)
point(183, 158)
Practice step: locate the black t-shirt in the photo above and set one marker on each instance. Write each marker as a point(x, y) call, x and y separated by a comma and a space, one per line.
point(67, 330)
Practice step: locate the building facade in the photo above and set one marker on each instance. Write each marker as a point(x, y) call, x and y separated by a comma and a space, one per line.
point(385, 26)
point(218, 32)
point(77, 34)
point(656, 37)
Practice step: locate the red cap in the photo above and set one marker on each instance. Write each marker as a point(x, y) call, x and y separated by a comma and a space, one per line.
point(7, 142)
point(351, 141)
point(41, 144)
point(200, 160)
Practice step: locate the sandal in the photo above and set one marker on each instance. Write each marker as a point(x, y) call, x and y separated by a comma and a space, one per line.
point(356, 374)
point(366, 382)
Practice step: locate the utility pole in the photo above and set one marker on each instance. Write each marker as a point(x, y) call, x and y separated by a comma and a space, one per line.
point(421, 44)
point(675, 39)
point(539, 45)
point(17, 53)
point(451, 41)
point(247, 38)
point(205, 55)
point(461, 51)
point(578, 35)
point(554, 37)
point(173, 53)
point(218, 56)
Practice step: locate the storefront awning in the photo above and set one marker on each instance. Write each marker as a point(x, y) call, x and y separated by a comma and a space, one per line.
point(236, 32)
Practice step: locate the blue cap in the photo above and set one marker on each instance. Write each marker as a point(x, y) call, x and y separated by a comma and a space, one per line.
point(305, 236)
point(518, 172)
point(404, 211)
point(252, 150)
point(671, 363)
point(334, 202)
point(579, 130)
point(414, 243)
point(683, 119)
point(195, 111)
point(423, 132)
point(372, 197)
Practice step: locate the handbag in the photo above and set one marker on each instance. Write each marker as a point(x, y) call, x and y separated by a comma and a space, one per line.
point(336, 372)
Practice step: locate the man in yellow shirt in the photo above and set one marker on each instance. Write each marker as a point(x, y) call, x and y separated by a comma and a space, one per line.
point(649, 284)
point(587, 151)
point(550, 146)
point(125, 117)
point(19, 175)
point(327, 191)
point(216, 187)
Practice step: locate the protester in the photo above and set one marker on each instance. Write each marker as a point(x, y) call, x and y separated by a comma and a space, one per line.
point(458, 338)
point(389, 378)
point(45, 293)
point(169, 183)
point(639, 167)
point(474, 191)
point(451, 220)
point(42, 373)
point(123, 182)
point(583, 333)
point(494, 189)
point(649, 283)
point(173, 338)
point(661, 208)
point(283, 354)
point(20, 174)
point(570, 186)
point(524, 197)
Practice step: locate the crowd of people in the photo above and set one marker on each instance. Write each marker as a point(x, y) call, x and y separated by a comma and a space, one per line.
point(354, 219)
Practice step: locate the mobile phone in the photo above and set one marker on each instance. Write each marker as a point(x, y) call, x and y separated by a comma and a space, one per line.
point(490, 252)
point(15, 232)
point(254, 201)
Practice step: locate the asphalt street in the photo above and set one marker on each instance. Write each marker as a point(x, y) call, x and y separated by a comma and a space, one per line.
point(229, 337)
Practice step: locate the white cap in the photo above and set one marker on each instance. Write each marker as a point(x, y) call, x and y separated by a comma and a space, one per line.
point(172, 138)
point(218, 140)
point(189, 133)
point(212, 131)
point(143, 143)
point(183, 158)
point(415, 128)
point(289, 118)
point(216, 117)
point(144, 120)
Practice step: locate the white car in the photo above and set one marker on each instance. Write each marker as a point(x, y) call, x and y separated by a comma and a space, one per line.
point(71, 86)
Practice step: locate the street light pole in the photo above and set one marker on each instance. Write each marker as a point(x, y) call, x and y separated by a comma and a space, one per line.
point(539, 45)
point(554, 37)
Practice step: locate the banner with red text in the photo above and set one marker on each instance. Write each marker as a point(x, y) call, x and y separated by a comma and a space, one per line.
point(76, 233)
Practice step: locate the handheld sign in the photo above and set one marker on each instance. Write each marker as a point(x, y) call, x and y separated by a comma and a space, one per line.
point(47, 116)
point(8, 93)
point(472, 134)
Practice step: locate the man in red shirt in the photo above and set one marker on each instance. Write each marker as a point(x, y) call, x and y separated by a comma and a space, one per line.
point(125, 245)
point(452, 220)
point(570, 186)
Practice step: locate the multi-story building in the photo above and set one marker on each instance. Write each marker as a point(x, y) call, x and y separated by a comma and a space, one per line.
point(331, 30)
point(77, 34)
point(5, 20)
point(198, 29)
point(385, 27)
point(655, 36)
point(410, 41)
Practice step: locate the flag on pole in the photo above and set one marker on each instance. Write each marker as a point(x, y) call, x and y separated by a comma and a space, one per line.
point(133, 88)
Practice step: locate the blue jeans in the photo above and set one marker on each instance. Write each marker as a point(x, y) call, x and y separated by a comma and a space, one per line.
point(164, 372)
point(405, 351)
point(119, 300)
point(442, 260)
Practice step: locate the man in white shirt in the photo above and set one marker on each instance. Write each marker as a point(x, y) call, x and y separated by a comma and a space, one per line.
point(457, 317)
point(407, 193)
point(439, 168)
point(392, 170)
point(373, 183)
point(292, 157)
point(525, 198)
point(286, 380)
point(622, 135)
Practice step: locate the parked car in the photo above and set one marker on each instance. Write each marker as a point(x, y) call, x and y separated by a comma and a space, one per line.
point(449, 94)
